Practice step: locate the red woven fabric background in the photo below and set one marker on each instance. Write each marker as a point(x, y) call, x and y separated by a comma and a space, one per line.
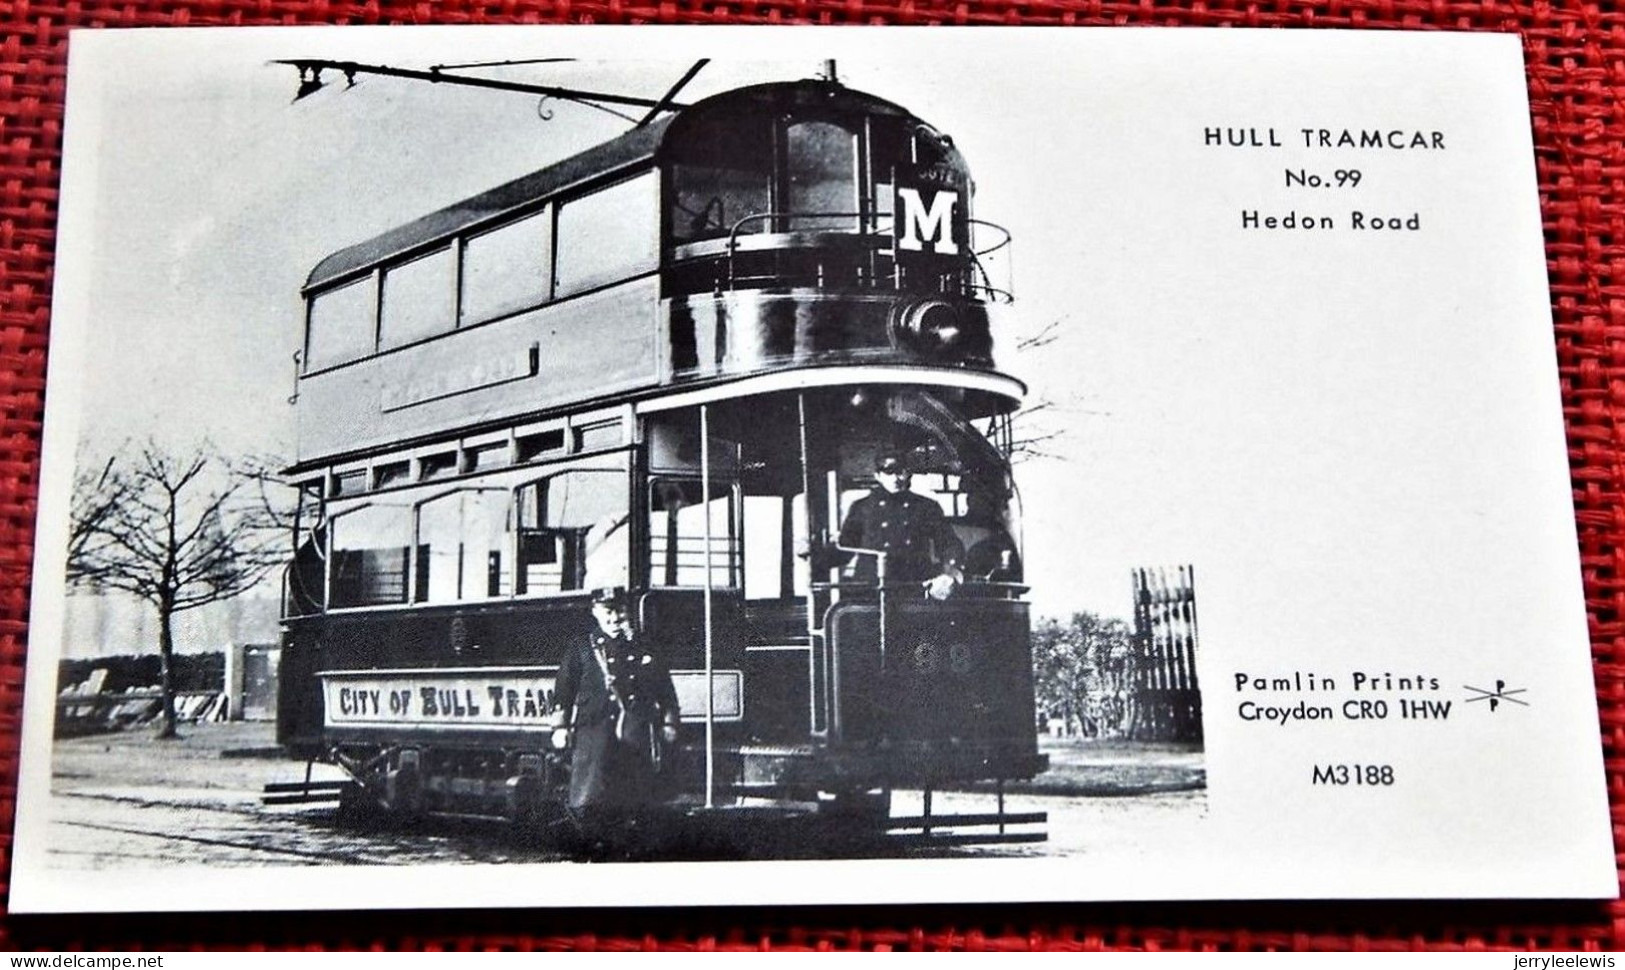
point(1576, 61)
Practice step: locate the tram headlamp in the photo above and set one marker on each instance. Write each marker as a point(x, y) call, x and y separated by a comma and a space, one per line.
point(929, 326)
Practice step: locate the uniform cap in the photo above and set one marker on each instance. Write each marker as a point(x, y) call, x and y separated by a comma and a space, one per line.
point(614, 596)
point(891, 461)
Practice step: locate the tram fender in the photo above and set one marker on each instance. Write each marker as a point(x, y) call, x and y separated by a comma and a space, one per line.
point(955, 673)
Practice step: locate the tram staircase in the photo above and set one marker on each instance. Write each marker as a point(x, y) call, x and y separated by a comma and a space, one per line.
point(929, 828)
point(306, 792)
point(951, 830)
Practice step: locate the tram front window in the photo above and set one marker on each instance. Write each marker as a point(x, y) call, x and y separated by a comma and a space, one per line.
point(953, 464)
point(823, 176)
point(305, 589)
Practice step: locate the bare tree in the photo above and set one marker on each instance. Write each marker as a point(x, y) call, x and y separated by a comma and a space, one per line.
point(1044, 428)
point(267, 497)
point(98, 488)
point(1034, 436)
point(1043, 337)
point(177, 531)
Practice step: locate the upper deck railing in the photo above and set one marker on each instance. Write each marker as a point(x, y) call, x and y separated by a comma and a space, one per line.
point(868, 239)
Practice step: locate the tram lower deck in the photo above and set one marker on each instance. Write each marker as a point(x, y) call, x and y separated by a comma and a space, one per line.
point(429, 621)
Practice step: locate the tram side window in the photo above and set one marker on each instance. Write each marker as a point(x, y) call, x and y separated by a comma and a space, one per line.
point(442, 465)
point(723, 174)
point(508, 269)
point(418, 299)
point(370, 555)
point(608, 235)
point(462, 547)
point(677, 533)
point(573, 531)
point(823, 175)
point(342, 327)
point(764, 546)
point(393, 473)
point(350, 482)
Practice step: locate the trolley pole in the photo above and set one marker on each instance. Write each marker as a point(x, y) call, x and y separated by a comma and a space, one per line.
point(710, 697)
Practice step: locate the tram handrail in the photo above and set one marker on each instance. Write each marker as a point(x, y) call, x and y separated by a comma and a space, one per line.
point(880, 586)
point(969, 591)
point(878, 218)
point(869, 223)
point(1016, 588)
point(733, 231)
point(1002, 295)
point(880, 559)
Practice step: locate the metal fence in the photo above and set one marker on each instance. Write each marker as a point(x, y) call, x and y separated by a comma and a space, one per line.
point(1166, 699)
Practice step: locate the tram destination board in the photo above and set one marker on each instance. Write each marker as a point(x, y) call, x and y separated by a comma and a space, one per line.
point(904, 466)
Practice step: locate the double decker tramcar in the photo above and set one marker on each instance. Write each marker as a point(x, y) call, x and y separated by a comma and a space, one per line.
point(667, 364)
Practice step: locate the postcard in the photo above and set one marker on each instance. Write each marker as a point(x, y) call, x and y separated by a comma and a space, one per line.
point(628, 466)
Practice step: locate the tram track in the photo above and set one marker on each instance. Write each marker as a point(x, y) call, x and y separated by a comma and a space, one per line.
point(200, 816)
point(97, 826)
point(346, 858)
point(104, 829)
point(189, 830)
point(248, 808)
point(122, 802)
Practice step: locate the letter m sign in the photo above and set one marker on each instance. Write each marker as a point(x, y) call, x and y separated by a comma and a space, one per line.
point(919, 224)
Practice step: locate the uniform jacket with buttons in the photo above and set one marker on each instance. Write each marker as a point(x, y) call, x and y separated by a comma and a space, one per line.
point(643, 681)
point(616, 691)
point(909, 528)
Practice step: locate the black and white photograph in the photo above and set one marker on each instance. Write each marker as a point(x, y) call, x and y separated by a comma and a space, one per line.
point(485, 463)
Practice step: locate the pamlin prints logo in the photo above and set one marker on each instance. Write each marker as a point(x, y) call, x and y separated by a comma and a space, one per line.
point(1496, 696)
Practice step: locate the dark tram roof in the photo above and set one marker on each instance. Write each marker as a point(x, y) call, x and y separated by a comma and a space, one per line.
point(636, 146)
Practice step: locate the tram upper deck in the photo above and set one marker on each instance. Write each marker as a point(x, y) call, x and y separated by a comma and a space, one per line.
point(767, 230)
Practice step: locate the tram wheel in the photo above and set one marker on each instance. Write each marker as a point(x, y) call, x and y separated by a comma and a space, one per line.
point(404, 793)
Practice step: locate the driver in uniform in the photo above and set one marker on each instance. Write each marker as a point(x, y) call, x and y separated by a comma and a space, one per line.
point(919, 544)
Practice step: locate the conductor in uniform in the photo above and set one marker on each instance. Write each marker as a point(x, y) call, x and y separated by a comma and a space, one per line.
point(614, 697)
point(919, 544)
